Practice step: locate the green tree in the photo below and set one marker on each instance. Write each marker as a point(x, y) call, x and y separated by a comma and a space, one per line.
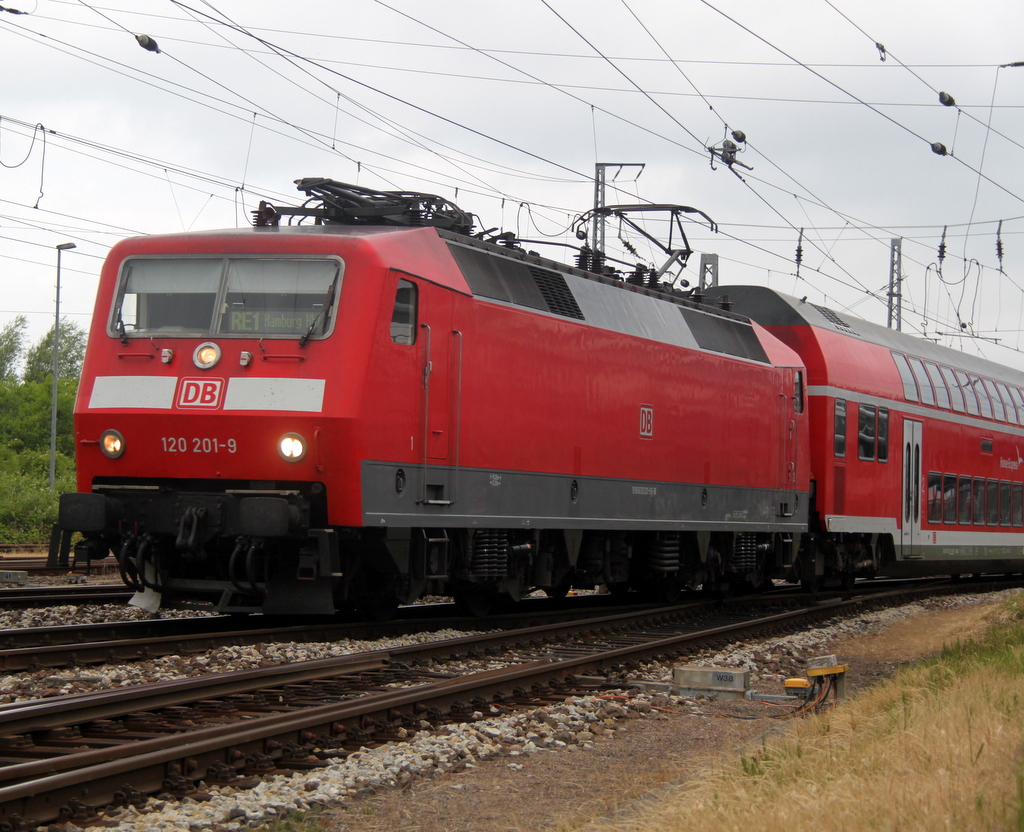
point(12, 345)
point(71, 348)
point(28, 507)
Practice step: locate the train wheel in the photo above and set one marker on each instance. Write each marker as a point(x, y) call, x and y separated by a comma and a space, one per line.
point(666, 590)
point(476, 601)
point(811, 584)
point(618, 591)
point(380, 608)
point(559, 591)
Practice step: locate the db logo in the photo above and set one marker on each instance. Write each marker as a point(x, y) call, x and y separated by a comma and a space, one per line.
point(646, 421)
point(200, 392)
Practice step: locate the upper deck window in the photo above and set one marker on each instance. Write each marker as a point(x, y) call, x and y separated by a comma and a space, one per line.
point(941, 392)
point(1011, 408)
point(1019, 402)
point(226, 296)
point(997, 405)
point(968, 390)
point(927, 394)
point(956, 394)
point(909, 385)
point(983, 399)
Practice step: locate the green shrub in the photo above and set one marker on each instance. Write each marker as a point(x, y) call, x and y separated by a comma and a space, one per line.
point(28, 508)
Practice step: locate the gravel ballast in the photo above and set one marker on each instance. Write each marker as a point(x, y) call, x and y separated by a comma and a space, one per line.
point(444, 762)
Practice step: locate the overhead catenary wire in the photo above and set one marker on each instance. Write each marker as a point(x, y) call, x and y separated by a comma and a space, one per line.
point(397, 177)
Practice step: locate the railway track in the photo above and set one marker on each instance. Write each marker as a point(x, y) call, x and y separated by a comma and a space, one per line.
point(65, 758)
point(125, 641)
point(23, 597)
point(34, 559)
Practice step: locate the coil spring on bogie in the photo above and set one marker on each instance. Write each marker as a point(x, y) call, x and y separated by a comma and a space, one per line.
point(664, 555)
point(490, 554)
point(744, 555)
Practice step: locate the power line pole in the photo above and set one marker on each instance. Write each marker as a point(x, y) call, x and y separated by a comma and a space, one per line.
point(600, 187)
point(895, 290)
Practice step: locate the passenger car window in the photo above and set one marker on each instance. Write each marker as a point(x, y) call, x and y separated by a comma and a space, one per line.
point(839, 443)
point(934, 497)
point(1015, 394)
point(949, 498)
point(983, 399)
point(992, 503)
point(979, 501)
point(997, 404)
point(1004, 503)
point(1011, 408)
point(866, 432)
point(909, 385)
point(941, 393)
point(403, 315)
point(883, 434)
point(956, 395)
point(968, 390)
point(927, 394)
point(965, 500)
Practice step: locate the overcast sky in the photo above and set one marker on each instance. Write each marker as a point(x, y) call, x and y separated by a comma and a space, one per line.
point(505, 107)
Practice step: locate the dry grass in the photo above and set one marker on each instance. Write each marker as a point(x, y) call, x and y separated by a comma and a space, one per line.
point(939, 747)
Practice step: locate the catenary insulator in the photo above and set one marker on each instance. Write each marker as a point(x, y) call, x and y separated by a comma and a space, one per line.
point(946, 100)
point(147, 43)
point(939, 149)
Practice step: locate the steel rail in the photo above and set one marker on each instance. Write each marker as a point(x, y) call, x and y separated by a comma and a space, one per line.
point(54, 647)
point(38, 596)
point(39, 788)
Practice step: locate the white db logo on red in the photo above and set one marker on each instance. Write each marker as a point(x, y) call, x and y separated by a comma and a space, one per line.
point(646, 421)
point(200, 392)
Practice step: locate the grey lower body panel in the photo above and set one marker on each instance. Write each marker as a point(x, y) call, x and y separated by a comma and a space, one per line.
point(441, 496)
point(931, 559)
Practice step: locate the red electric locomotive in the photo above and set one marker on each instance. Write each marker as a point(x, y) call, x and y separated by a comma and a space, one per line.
point(303, 418)
point(915, 449)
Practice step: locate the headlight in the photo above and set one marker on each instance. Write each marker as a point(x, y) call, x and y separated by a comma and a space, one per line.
point(292, 447)
point(206, 355)
point(112, 443)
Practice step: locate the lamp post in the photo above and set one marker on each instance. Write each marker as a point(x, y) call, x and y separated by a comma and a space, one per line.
point(53, 395)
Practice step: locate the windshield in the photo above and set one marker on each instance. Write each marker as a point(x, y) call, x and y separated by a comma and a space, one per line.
point(225, 296)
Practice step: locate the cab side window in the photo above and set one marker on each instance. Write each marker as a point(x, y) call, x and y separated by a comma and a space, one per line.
point(403, 316)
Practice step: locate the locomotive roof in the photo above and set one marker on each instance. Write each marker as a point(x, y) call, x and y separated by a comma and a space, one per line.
point(512, 275)
point(771, 308)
